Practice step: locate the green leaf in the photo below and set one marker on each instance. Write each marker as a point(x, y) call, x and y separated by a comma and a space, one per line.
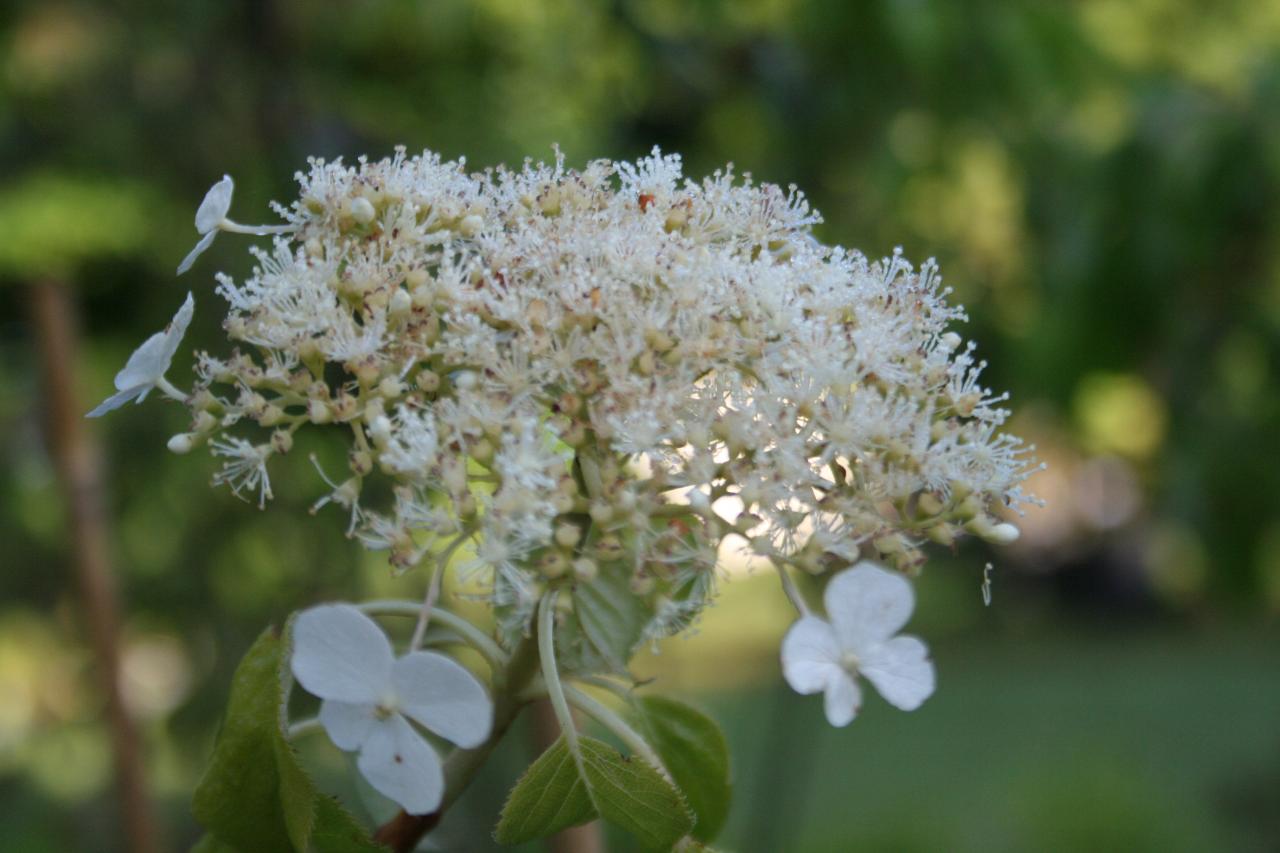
point(210, 844)
point(336, 831)
point(695, 753)
point(549, 797)
point(557, 792)
point(612, 617)
point(254, 794)
point(239, 797)
point(633, 794)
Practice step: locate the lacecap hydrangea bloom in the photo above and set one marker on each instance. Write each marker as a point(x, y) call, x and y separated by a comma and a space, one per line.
point(581, 383)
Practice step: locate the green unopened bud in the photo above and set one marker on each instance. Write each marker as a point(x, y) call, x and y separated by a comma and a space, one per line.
point(942, 533)
point(930, 505)
point(567, 535)
point(585, 569)
point(553, 564)
point(318, 411)
point(427, 381)
point(360, 462)
point(390, 387)
point(282, 441)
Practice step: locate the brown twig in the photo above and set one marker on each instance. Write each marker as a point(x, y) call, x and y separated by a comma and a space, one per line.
point(76, 457)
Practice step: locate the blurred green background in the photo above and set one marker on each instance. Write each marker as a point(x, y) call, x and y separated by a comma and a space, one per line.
point(1099, 181)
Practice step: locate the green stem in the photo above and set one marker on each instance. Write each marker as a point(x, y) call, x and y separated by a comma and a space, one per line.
point(433, 588)
point(606, 717)
point(789, 587)
point(550, 673)
point(472, 635)
point(304, 727)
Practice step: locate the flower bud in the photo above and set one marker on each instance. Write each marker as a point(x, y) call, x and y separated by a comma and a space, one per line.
point(362, 210)
point(1004, 534)
point(281, 441)
point(427, 381)
point(182, 442)
point(400, 302)
point(585, 569)
point(567, 535)
point(318, 411)
point(929, 504)
point(553, 564)
point(360, 462)
point(391, 387)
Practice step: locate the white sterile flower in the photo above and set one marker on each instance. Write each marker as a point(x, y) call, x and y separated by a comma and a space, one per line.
point(867, 605)
point(342, 656)
point(210, 215)
point(145, 369)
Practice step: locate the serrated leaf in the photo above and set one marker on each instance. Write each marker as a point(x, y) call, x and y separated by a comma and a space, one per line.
point(239, 797)
point(210, 844)
point(695, 753)
point(336, 831)
point(557, 792)
point(633, 794)
point(612, 617)
point(255, 795)
point(549, 797)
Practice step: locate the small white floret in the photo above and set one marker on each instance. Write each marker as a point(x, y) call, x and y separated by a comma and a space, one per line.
point(210, 216)
point(369, 696)
point(145, 369)
point(867, 605)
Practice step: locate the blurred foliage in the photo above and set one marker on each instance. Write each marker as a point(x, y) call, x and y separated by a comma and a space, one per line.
point(1099, 181)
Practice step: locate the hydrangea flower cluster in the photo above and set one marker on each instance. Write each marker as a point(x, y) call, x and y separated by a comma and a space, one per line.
point(593, 378)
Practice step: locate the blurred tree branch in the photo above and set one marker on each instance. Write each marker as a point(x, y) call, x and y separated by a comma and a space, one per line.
point(78, 464)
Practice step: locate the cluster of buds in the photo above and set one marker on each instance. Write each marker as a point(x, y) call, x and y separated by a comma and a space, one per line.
point(597, 376)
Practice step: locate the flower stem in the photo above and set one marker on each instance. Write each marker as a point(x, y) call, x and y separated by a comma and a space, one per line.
point(550, 673)
point(304, 727)
point(789, 587)
point(470, 634)
point(606, 717)
point(433, 589)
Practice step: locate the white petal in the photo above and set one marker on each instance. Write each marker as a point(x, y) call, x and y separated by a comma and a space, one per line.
point(401, 765)
point(339, 653)
point(810, 655)
point(347, 723)
point(867, 604)
point(442, 695)
point(150, 361)
point(205, 242)
point(901, 670)
point(843, 699)
point(118, 399)
point(215, 206)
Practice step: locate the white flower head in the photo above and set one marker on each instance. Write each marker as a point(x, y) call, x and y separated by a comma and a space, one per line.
point(867, 605)
point(342, 656)
point(210, 215)
point(145, 369)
